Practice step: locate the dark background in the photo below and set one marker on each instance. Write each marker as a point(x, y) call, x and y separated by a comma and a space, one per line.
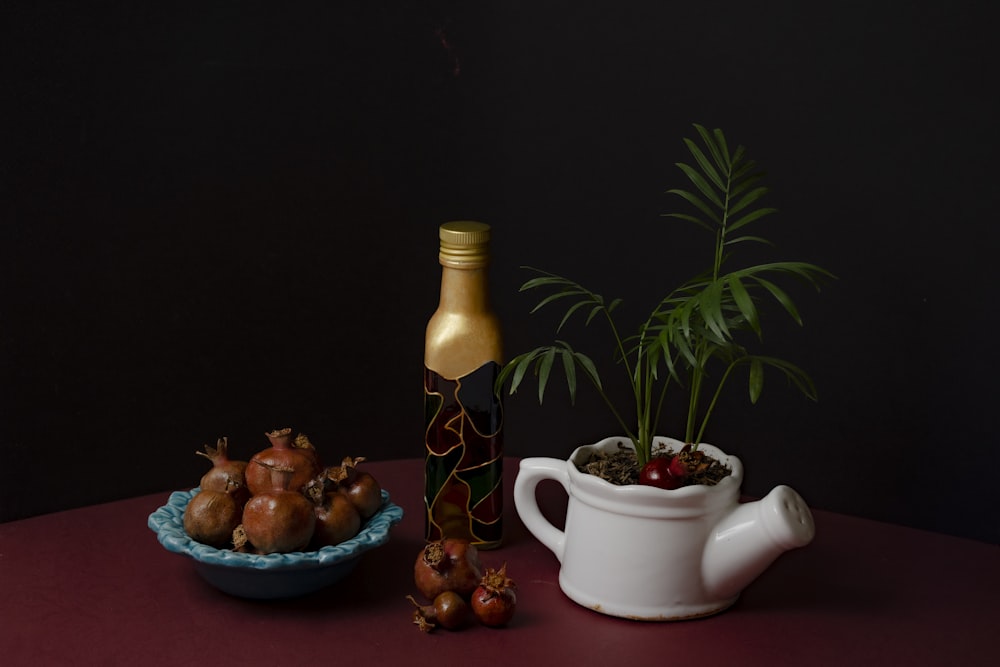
point(219, 219)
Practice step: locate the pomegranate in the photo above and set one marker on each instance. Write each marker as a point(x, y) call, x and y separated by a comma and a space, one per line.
point(225, 474)
point(449, 610)
point(211, 516)
point(451, 564)
point(279, 520)
point(301, 461)
point(360, 487)
point(495, 600)
point(337, 520)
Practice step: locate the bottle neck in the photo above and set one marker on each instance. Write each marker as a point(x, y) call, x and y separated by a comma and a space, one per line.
point(464, 332)
point(464, 290)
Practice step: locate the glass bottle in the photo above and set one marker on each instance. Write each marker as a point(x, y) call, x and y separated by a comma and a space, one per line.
point(463, 435)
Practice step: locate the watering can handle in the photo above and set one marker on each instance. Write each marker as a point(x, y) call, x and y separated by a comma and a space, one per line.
point(532, 472)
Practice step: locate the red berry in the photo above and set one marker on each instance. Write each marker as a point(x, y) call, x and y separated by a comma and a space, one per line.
point(658, 472)
point(678, 467)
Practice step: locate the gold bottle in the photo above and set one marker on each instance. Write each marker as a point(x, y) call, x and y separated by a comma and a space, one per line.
point(463, 436)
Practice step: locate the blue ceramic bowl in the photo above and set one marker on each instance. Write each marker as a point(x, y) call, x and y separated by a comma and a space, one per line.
point(270, 576)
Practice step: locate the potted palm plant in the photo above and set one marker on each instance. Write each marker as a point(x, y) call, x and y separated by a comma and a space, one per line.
point(682, 495)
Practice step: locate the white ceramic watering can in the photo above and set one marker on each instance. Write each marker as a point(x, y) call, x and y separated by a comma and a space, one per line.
point(651, 554)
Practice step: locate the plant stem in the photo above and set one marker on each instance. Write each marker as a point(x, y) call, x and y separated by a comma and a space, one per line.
point(715, 398)
point(697, 374)
point(703, 355)
point(659, 404)
point(614, 411)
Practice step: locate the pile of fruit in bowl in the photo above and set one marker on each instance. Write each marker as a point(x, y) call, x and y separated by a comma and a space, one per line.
point(279, 524)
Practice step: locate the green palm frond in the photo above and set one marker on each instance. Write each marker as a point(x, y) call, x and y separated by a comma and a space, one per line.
point(697, 324)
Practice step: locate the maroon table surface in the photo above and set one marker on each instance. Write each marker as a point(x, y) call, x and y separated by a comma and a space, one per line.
point(93, 586)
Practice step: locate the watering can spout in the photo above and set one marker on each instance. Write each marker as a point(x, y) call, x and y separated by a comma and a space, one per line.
point(751, 537)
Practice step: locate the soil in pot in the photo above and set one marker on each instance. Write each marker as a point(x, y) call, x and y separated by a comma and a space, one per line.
point(621, 468)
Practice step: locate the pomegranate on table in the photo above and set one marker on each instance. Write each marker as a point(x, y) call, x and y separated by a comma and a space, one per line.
point(449, 573)
point(451, 564)
point(495, 599)
point(449, 610)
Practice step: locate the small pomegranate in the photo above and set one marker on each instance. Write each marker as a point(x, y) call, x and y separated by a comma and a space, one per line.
point(451, 564)
point(337, 520)
point(495, 599)
point(225, 474)
point(211, 516)
point(449, 610)
point(359, 486)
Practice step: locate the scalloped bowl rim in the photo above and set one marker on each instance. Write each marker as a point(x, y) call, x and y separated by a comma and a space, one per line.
point(168, 524)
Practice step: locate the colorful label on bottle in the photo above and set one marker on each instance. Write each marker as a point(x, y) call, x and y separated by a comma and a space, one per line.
point(463, 470)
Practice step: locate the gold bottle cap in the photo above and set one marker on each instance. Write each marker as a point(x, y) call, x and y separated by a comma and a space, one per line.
point(464, 244)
